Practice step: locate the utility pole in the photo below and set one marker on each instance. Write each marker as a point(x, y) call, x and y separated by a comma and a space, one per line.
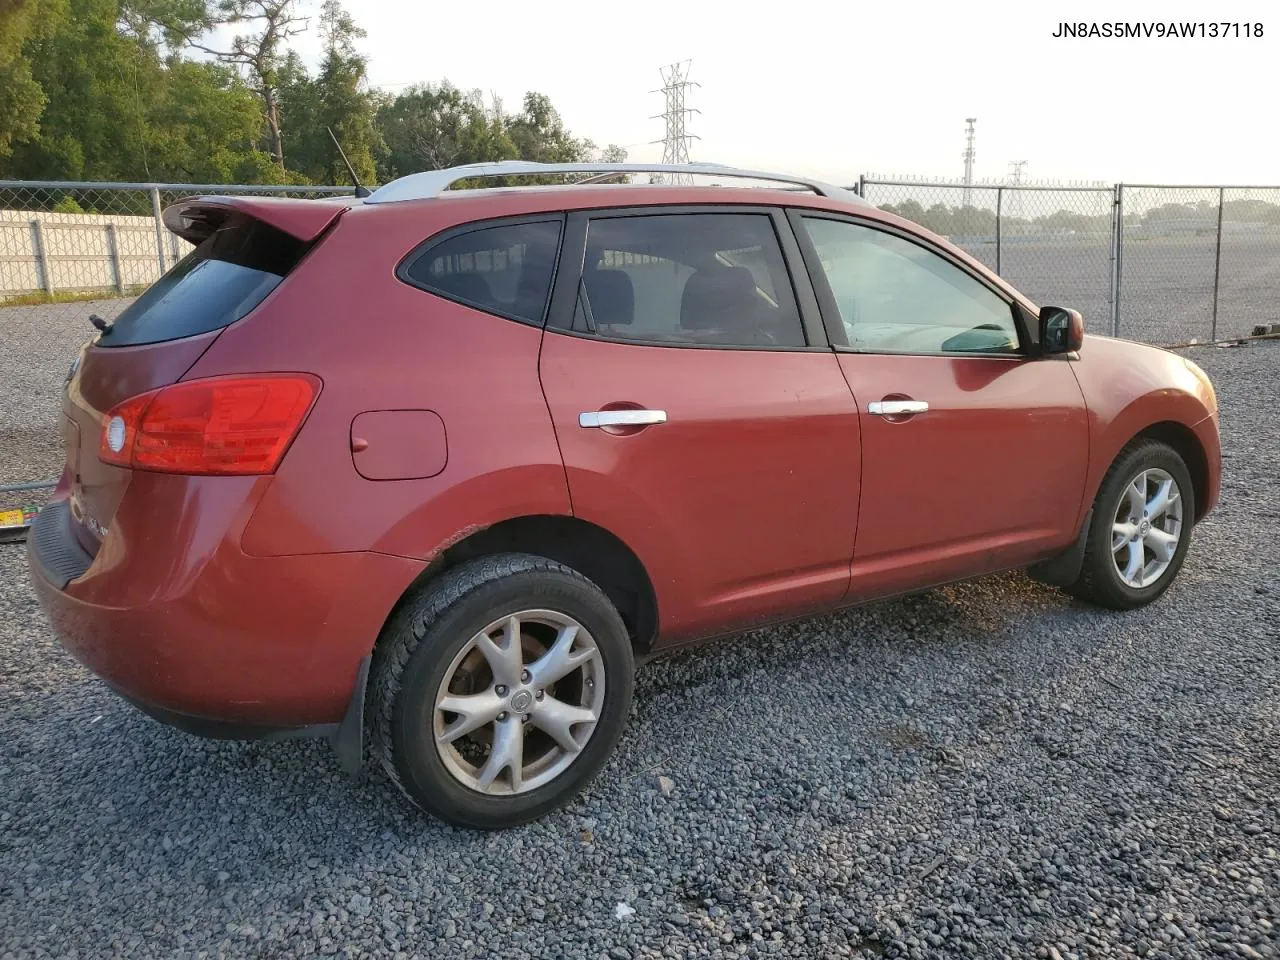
point(1015, 200)
point(969, 134)
point(675, 144)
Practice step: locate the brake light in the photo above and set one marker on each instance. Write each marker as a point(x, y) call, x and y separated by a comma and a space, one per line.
point(222, 425)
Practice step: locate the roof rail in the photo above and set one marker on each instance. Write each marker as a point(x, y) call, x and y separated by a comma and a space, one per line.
point(432, 183)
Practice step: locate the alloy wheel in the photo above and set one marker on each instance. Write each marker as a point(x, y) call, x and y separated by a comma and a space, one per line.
point(1146, 528)
point(519, 702)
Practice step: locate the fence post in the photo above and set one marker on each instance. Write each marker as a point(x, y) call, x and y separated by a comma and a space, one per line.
point(999, 205)
point(862, 185)
point(41, 249)
point(155, 212)
point(113, 247)
point(1217, 265)
point(1117, 257)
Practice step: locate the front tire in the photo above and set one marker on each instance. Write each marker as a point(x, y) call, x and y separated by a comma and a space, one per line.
point(1141, 528)
point(500, 690)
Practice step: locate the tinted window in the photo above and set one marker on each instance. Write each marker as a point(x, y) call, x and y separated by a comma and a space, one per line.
point(217, 283)
point(708, 278)
point(895, 296)
point(505, 270)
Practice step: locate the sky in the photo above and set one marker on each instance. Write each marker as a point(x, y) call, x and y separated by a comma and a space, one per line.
point(834, 90)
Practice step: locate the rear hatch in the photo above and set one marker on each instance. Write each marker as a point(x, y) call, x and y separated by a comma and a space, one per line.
point(245, 248)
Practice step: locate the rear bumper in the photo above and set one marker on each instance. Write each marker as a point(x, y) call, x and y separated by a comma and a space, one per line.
point(227, 729)
point(182, 622)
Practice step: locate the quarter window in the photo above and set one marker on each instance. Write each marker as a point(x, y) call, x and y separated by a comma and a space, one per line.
point(895, 296)
point(504, 269)
point(695, 278)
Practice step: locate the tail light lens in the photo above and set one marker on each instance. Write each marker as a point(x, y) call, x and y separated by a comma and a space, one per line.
point(222, 425)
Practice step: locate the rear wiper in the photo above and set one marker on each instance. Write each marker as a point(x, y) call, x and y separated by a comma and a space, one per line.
point(106, 326)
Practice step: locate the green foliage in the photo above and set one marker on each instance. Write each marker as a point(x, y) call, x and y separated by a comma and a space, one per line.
point(132, 90)
point(430, 127)
point(119, 108)
point(344, 103)
point(21, 97)
point(948, 221)
point(67, 204)
point(539, 134)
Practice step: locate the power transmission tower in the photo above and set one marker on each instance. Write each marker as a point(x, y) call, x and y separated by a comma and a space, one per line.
point(675, 145)
point(968, 160)
point(1015, 201)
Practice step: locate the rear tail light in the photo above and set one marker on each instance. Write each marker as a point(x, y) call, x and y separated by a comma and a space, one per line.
point(222, 425)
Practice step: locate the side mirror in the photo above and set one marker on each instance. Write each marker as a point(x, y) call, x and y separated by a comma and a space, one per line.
point(1061, 330)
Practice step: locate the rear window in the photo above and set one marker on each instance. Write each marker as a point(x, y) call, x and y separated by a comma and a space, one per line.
point(504, 269)
point(213, 286)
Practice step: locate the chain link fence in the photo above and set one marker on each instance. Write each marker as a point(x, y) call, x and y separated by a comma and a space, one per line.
point(68, 251)
point(1054, 244)
point(1160, 264)
point(66, 241)
point(1249, 275)
point(1154, 263)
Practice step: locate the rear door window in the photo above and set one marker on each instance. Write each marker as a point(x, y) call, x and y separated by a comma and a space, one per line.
point(688, 278)
point(505, 269)
point(221, 280)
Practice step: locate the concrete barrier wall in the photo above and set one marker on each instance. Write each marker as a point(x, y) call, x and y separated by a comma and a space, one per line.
point(72, 252)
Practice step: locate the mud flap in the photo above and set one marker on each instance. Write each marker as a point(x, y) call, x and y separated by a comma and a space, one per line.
point(1064, 569)
point(348, 739)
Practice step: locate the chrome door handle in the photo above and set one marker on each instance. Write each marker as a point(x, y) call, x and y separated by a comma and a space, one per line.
point(621, 418)
point(888, 408)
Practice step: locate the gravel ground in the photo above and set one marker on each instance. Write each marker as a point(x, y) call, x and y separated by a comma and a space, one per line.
point(984, 770)
point(37, 345)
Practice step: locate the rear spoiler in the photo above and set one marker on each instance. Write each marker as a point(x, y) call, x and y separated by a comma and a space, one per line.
point(195, 218)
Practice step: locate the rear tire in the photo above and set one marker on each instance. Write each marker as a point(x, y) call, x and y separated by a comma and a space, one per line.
point(1129, 559)
point(539, 666)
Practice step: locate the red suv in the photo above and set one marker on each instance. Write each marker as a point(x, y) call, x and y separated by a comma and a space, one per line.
point(436, 466)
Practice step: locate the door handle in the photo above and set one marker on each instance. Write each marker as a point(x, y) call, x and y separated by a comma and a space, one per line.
point(890, 408)
point(621, 418)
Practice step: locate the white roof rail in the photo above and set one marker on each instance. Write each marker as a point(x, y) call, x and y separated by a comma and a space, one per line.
point(432, 183)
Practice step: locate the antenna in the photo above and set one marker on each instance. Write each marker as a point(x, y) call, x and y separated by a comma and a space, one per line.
point(969, 134)
point(675, 145)
point(361, 191)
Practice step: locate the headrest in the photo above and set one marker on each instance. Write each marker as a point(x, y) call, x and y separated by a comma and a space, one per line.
point(612, 296)
point(718, 298)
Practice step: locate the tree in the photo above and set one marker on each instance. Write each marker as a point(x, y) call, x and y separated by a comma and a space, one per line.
point(169, 22)
point(111, 90)
point(258, 53)
point(117, 108)
point(539, 134)
point(299, 105)
point(346, 105)
point(613, 154)
point(908, 209)
point(431, 127)
point(21, 96)
point(204, 127)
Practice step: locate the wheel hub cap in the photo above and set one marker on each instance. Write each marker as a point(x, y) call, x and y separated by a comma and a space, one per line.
point(521, 701)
